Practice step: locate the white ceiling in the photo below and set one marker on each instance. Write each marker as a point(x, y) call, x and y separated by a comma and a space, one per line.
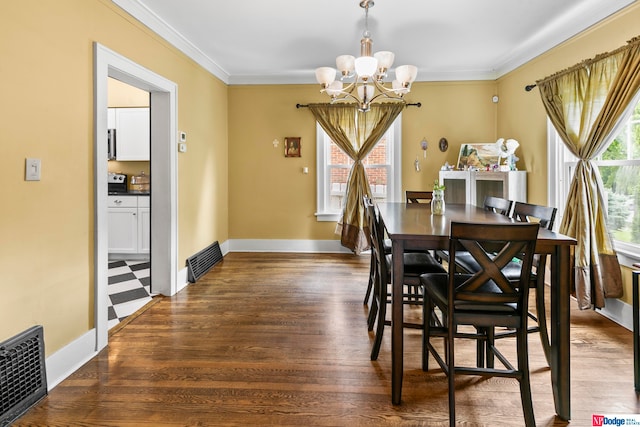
point(284, 41)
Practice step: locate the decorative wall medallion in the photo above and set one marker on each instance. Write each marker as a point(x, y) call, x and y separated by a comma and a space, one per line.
point(444, 144)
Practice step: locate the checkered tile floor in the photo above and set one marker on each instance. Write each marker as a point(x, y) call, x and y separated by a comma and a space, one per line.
point(129, 288)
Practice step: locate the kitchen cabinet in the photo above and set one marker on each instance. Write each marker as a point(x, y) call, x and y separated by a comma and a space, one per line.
point(473, 186)
point(133, 133)
point(144, 225)
point(129, 225)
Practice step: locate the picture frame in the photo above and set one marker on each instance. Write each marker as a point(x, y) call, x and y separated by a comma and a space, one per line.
point(478, 156)
point(292, 146)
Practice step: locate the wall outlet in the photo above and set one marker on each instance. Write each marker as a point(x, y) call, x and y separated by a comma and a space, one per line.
point(182, 147)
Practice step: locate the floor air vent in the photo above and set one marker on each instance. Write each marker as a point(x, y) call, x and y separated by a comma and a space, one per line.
point(23, 378)
point(203, 261)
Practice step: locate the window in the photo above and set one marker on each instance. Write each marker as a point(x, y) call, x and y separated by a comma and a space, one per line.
point(619, 168)
point(333, 166)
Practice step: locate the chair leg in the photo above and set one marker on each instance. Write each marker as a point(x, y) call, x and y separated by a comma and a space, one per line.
point(452, 374)
point(382, 314)
point(427, 314)
point(525, 382)
point(372, 270)
point(542, 320)
point(490, 345)
point(373, 311)
point(481, 346)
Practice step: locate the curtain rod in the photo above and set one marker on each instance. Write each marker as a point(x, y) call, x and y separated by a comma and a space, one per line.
point(415, 104)
point(529, 87)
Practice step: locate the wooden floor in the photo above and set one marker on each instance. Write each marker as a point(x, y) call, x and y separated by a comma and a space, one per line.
point(281, 339)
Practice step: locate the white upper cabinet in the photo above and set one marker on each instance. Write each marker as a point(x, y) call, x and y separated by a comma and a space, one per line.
point(132, 127)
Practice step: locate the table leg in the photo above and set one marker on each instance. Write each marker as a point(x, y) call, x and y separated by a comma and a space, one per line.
point(397, 332)
point(560, 328)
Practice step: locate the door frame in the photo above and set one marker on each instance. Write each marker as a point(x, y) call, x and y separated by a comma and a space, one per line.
point(164, 229)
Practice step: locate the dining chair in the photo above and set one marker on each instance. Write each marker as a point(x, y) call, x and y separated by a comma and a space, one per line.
point(498, 205)
point(415, 264)
point(490, 203)
point(370, 225)
point(418, 196)
point(545, 216)
point(484, 300)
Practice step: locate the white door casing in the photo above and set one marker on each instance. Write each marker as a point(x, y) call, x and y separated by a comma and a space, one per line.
point(108, 63)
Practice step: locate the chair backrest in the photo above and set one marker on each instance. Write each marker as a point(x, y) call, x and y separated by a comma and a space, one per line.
point(377, 238)
point(525, 212)
point(418, 196)
point(498, 205)
point(368, 216)
point(492, 246)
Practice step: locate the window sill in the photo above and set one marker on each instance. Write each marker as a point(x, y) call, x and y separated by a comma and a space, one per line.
point(327, 217)
point(627, 257)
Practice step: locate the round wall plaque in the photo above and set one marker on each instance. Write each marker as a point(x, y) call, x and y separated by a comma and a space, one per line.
point(444, 144)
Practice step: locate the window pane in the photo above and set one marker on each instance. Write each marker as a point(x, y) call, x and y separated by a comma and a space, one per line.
point(622, 189)
point(378, 178)
point(377, 166)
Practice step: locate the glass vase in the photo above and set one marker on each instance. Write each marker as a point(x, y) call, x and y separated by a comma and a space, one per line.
point(437, 203)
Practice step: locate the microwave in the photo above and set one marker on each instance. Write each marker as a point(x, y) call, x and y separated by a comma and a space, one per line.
point(111, 142)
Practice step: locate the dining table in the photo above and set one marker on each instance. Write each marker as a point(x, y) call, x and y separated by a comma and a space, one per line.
point(413, 226)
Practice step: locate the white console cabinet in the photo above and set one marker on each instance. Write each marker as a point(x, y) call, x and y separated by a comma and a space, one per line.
point(473, 186)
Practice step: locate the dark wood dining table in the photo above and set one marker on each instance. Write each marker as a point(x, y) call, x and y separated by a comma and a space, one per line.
point(412, 226)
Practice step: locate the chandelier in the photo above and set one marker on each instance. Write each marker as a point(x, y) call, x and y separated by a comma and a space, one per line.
point(364, 76)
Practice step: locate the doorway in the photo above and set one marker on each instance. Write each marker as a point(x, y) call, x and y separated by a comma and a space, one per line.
point(163, 93)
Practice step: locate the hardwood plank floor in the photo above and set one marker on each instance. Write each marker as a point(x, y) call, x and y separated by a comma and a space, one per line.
point(281, 339)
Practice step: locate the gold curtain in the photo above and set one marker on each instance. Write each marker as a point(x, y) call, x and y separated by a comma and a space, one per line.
point(356, 133)
point(585, 103)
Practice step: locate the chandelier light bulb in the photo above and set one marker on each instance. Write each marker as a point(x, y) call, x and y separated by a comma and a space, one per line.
point(366, 66)
point(406, 74)
point(385, 61)
point(334, 88)
point(346, 64)
point(325, 76)
point(399, 88)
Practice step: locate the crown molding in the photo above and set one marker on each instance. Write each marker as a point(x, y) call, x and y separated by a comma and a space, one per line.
point(167, 32)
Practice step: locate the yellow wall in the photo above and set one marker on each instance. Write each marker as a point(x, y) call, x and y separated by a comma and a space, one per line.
point(521, 114)
point(270, 197)
point(46, 227)
point(232, 183)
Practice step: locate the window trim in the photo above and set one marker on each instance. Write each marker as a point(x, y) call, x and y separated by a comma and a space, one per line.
point(322, 145)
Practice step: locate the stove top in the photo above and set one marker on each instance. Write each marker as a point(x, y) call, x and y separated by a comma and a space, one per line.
point(117, 183)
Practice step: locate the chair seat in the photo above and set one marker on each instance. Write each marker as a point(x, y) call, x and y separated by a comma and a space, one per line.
point(417, 263)
point(438, 284)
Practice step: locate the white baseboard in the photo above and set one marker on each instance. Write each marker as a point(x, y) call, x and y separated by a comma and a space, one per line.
point(182, 281)
point(70, 358)
point(618, 311)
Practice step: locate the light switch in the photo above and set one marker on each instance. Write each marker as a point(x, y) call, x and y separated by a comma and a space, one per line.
point(183, 136)
point(182, 147)
point(32, 170)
